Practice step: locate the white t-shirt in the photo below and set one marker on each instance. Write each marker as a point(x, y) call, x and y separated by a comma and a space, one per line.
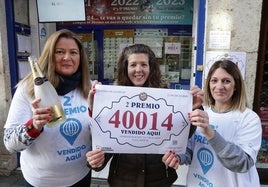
point(243, 129)
point(57, 156)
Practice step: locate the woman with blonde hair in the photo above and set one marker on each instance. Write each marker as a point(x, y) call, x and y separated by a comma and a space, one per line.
point(53, 156)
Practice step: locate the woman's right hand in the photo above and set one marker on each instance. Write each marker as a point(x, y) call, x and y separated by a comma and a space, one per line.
point(41, 116)
point(91, 94)
point(171, 159)
point(95, 158)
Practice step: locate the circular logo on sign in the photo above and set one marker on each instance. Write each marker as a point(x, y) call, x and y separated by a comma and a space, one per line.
point(143, 96)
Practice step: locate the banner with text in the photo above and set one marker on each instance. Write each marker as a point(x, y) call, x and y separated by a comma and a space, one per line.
point(131, 12)
point(140, 120)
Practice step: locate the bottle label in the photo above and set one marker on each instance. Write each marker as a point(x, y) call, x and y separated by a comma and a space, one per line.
point(40, 80)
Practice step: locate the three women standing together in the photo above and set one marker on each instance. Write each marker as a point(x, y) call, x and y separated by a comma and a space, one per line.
point(222, 151)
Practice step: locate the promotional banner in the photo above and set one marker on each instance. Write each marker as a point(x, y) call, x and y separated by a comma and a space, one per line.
point(140, 120)
point(140, 12)
point(239, 58)
point(164, 12)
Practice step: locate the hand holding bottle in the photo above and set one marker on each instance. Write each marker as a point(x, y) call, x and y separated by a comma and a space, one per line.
point(41, 116)
point(49, 98)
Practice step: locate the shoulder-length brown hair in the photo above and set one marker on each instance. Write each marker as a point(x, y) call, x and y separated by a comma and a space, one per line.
point(47, 63)
point(239, 99)
point(154, 79)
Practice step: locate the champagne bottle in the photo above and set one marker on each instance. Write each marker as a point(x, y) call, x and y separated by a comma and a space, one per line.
point(49, 98)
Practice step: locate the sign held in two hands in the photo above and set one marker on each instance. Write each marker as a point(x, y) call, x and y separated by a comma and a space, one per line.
point(140, 120)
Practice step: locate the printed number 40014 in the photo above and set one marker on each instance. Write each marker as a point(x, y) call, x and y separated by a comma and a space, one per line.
point(128, 119)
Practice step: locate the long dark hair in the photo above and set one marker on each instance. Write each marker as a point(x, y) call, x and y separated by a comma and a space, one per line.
point(154, 79)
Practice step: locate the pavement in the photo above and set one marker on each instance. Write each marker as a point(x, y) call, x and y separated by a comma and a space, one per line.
point(13, 180)
point(16, 180)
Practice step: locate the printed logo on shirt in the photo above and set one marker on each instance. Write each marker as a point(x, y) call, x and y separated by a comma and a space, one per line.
point(205, 158)
point(71, 129)
point(69, 109)
point(203, 181)
point(72, 153)
point(200, 138)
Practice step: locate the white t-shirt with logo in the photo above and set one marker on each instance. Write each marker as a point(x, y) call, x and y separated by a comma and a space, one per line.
point(57, 157)
point(243, 129)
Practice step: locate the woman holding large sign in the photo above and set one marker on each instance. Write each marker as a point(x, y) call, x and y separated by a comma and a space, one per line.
point(137, 66)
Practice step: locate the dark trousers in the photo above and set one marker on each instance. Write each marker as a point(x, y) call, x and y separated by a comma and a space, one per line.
point(85, 182)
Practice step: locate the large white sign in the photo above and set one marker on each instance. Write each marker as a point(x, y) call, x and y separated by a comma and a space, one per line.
point(140, 120)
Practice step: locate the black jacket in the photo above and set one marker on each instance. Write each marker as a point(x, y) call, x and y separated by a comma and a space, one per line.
point(140, 170)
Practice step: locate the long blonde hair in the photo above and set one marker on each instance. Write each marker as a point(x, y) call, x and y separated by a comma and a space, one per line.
point(47, 64)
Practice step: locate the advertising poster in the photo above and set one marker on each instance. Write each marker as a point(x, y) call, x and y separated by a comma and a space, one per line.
point(239, 58)
point(140, 120)
point(138, 12)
